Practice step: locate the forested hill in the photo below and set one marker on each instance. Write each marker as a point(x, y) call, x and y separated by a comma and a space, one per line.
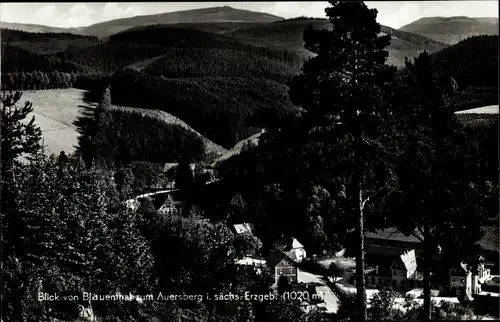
point(206, 15)
point(451, 30)
point(472, 62)
point(38, 28)
point(45, 42)
point(217, 81)
point(289, 33)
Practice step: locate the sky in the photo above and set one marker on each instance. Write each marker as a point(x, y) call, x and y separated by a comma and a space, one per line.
point(394, 14)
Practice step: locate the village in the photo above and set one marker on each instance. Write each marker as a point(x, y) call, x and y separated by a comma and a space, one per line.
point(392, 263)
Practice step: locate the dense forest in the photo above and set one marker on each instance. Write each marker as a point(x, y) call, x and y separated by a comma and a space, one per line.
point(472, 62)
point(340, 156)
point(127, 137)
point(216, 83)
point(44, 43)
point(218, 107)
point(116, 137)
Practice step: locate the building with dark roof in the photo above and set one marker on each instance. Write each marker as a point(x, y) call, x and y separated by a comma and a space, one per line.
point(285, 253)
point(291, 246)
point(282, 266)
point(244, 228)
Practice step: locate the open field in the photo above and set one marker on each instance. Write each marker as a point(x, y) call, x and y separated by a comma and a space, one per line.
point(56, 110)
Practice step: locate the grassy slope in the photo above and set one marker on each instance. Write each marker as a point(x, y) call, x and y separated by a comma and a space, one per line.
point(56, 110)
point(452, 29)
point(44, 42)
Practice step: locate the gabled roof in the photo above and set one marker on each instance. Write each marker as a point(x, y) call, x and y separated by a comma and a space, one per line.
point(385, 251)
point(169, 166)
point(243, 228)
point(286, 244)
point(409, 260)
point(277, 256)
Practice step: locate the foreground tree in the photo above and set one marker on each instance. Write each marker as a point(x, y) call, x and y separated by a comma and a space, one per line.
point(440, 194)
point(17, 138)
point(344, 91)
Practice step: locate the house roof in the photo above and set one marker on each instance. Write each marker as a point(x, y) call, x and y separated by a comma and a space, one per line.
point(409, 260)
point(286, 244)
point(392, 233)
point(169, 166)
point(243, 228)
point(385, 251)
point(277, 256)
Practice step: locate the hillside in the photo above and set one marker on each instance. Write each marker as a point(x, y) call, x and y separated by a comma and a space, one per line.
point(210, 147)
point(218, 82)
point(451, 30)
point(472, 62)
point(254, 140)
point(289, 33)
point(44, 42)
point(205, 15)
point(38, 28)
point(220, 108)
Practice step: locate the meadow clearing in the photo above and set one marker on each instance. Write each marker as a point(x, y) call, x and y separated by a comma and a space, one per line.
point(55, 111)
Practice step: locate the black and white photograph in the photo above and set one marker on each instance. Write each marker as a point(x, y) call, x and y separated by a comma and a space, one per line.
point(249, 161)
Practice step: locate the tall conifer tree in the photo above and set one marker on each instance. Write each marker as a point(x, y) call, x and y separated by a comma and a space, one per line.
point(344, 91)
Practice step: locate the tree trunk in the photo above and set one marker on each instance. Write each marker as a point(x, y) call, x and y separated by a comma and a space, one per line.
point(427, 274)
point(360, 260)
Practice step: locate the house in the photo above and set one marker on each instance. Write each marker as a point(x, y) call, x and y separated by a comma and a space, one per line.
point(169, 166)
point(463, 282)
point(401, 274)
point(385, 246)
point(169, 207)
point(390, 242)
point(244, 228)
point(291, 247)
point(405, 277)
point(282, 266)
point(254, 262)
point(251, 261)
point(484, 273)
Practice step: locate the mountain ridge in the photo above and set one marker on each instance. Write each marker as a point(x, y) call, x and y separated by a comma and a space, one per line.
point(223, 14)
point(451, 30)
